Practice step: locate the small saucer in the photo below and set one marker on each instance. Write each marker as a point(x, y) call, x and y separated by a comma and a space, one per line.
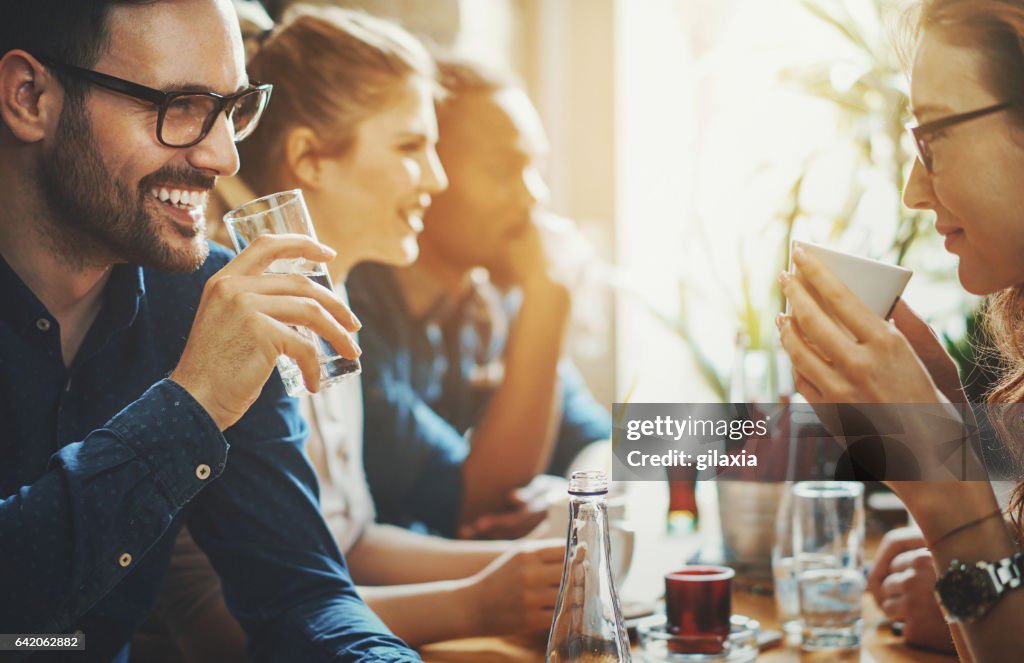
point(741, 647)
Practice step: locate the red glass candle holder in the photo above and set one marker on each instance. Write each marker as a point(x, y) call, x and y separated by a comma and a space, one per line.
point(698, 604)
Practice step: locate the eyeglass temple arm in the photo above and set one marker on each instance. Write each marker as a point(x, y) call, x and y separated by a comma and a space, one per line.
point(110, 82)
point(938, 125)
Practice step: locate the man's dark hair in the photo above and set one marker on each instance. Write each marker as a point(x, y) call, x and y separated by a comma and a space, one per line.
point(70, 31)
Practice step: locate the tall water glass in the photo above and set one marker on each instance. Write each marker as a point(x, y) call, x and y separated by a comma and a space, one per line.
point(787, 603)
point(828, 557)
point(286, 213)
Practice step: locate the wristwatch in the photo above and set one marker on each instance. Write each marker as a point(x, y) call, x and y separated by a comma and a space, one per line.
point(967, 592)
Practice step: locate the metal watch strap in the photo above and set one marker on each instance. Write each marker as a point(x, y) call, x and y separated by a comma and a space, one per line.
point(1007, 573)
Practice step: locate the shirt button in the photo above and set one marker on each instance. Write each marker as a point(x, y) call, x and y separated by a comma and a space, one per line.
point(124, 560)
point(203, 471)
point(42, 324)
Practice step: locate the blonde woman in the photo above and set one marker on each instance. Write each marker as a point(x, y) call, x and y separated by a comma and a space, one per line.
point(353, 126)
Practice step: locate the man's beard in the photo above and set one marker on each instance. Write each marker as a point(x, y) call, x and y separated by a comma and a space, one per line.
point(96, 218)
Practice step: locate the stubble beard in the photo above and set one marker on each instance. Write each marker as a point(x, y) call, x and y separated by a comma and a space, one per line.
point(93, 219)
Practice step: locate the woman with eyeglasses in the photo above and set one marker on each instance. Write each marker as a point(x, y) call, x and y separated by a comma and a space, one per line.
point(967, 85)
point(352, 124)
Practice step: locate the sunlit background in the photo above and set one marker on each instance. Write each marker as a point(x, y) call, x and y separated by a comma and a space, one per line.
point(690, 140)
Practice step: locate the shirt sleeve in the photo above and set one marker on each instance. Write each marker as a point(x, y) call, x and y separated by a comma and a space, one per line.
point(583, 419)
point(284, 578)
point(75, 532)
point(413, 457)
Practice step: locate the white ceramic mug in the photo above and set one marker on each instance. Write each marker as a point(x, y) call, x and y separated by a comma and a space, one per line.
point(877, 284)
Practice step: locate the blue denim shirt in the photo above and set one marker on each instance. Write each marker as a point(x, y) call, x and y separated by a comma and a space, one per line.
point(103, 462)
point(425, 385)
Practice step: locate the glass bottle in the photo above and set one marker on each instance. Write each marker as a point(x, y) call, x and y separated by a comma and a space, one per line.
point(588, 626)
point(683, 514)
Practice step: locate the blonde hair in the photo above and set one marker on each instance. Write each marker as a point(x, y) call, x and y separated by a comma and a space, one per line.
point(331, 69)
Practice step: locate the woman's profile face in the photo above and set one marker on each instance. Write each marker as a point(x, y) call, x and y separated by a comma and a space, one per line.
point(374, 195)
point(975, 185)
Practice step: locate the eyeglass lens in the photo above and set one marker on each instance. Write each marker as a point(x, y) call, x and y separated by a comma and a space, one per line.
point(188, 117)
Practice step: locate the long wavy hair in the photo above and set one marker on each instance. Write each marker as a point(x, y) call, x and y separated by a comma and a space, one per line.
point(996, 29)
point(1004, 318)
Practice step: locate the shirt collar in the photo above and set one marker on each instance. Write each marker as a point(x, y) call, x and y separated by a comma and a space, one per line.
point(121, 297)
point(427, 300)
point(20, 306)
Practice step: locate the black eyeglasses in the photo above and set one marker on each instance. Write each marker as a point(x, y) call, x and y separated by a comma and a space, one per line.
point(184, 118)
point(921, 133)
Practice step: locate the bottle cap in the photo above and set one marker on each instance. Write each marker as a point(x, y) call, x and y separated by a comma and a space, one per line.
point(589, 482)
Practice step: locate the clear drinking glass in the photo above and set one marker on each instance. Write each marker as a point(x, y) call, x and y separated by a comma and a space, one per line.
point(279, 214)
point(787, 603)
point(828, 555)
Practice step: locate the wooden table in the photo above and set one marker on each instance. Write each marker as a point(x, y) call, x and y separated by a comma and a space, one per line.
point(880, 645)
point(655, 555)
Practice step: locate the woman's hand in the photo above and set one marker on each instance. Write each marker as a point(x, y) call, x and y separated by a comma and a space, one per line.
point(902, 581)
point(895, 542)
point(516, 593)
point(908, 595)
point(841, 351)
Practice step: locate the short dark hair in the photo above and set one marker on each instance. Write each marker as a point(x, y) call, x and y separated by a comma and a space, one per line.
point(70, 31)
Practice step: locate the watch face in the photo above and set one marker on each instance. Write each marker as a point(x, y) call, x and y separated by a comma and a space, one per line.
point(966, 592)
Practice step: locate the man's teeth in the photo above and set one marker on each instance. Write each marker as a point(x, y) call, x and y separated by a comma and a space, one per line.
point(180, 197)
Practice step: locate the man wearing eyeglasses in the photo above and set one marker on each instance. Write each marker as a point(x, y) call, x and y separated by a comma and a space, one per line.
point(134, 359)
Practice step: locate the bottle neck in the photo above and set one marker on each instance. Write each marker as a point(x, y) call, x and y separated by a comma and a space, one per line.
point(588, 519)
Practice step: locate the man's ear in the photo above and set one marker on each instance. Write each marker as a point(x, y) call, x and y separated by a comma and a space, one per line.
point(303, 155)
point(30, 97)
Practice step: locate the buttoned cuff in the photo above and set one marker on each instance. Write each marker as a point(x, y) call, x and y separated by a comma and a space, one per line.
point(174, 435)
